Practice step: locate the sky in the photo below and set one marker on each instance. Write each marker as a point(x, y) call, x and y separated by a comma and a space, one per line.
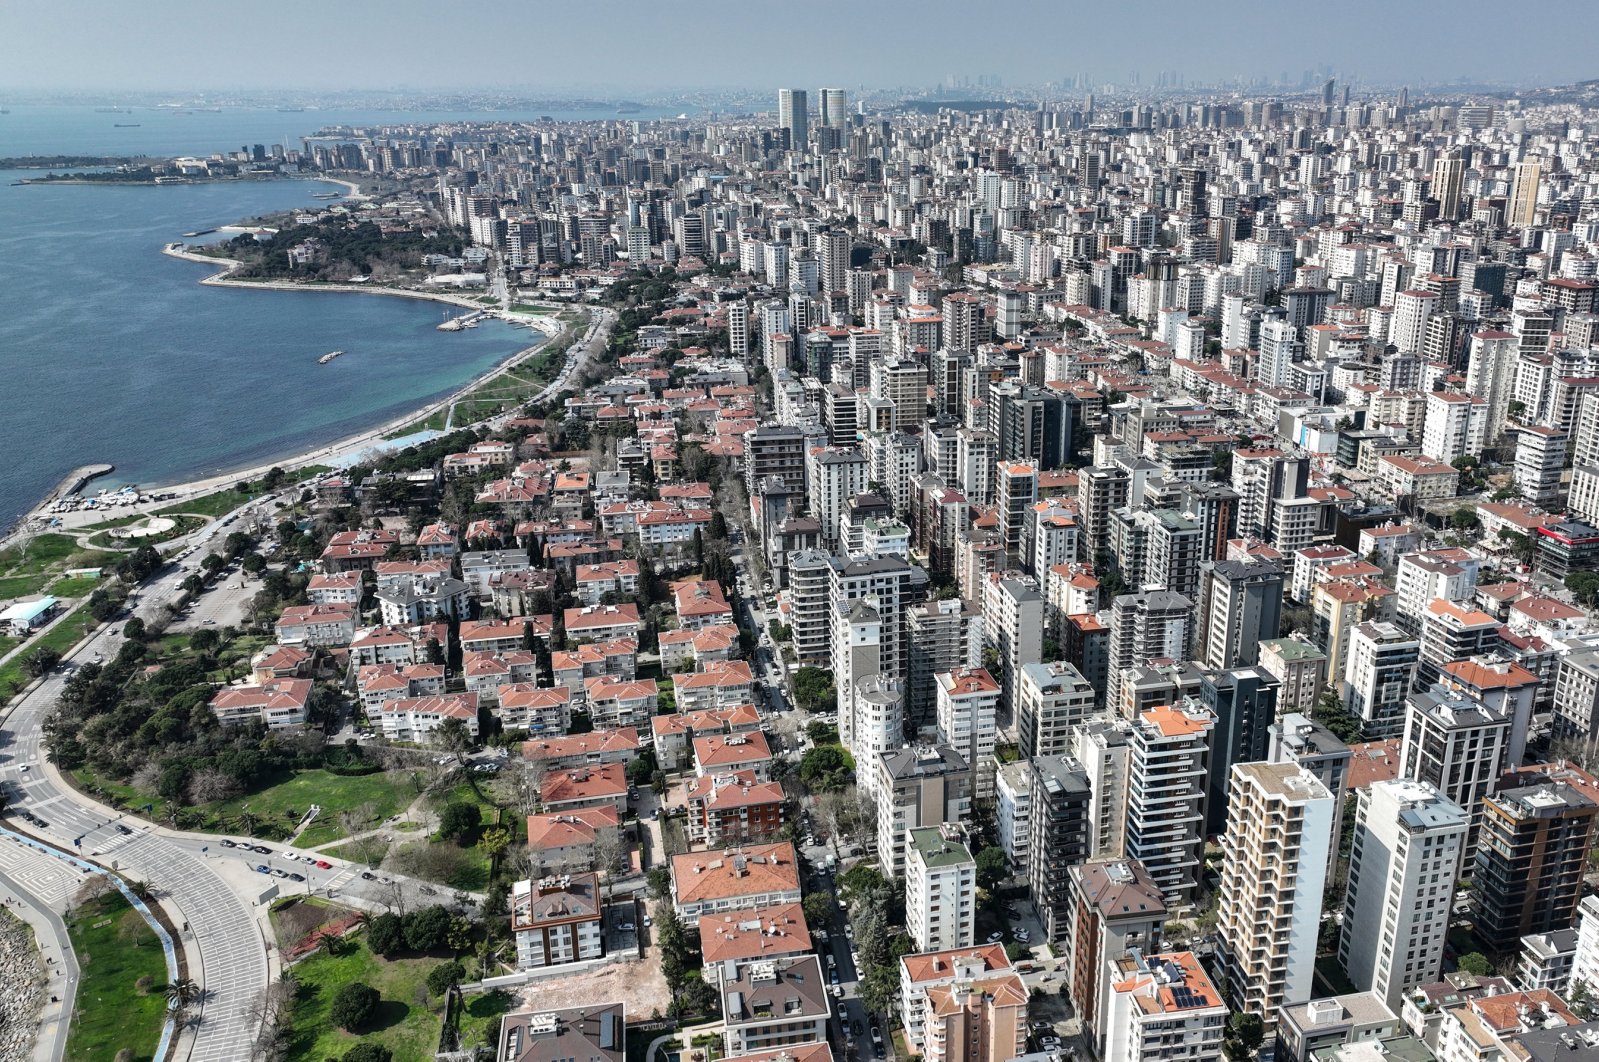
point(615, 47)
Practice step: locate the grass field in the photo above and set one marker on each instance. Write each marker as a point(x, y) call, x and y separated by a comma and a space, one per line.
point(41, 555)
point(223, 501)
point(115, 948)
point(404, 1024)
point(384, 794)
point(75, 585)
point(22, 585)
point(480, 1020)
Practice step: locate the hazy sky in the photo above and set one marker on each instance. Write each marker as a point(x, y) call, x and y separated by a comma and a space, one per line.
point(633, 46)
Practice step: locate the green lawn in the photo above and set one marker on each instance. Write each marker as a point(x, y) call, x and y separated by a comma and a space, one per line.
point(387, 793)
point(22, 585)
point(480, 1019)
point(407, 1028)
point(42, 554)
point(115, 948)
point(223, 501)
point(74, 585)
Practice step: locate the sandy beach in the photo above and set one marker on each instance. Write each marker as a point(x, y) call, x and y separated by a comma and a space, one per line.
point(343, 451)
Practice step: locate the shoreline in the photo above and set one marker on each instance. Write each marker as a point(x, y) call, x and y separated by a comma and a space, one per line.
point(346, 446)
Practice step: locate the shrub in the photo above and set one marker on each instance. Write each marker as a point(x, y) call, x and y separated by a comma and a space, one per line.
point(353, 1006)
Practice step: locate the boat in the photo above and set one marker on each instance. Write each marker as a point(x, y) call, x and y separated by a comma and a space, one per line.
point(198, 232)
point(126, 125)
point(291, 110)
point(327, 195)
point(629, 109)
point(329, 356)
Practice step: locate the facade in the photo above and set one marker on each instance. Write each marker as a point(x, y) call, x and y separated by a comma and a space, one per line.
point(1119, 908)
point(556, 920)
point(1060, 839)
point(1240, 605)
point(1406, 859)
point(1160, 1007)
point(1054, 697)
point(1167, 770)
point(1531, 856)
point(940, 890)
point(1274, 864)
point(921, 785)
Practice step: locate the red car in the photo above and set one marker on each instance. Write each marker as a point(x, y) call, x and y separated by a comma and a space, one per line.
point(323, 864)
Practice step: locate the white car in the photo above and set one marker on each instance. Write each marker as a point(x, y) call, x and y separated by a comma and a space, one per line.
point(995, 938)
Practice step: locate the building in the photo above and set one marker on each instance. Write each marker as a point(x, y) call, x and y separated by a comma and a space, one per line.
point(1054, 698)
point(1153, 625)
point(416, 718)
point(968, 707)
point(920, 785)
point(1060, 839)
point(592, 1033)
point(940, 889)
point(1243, 703)
point(775, 1003)
point(278, 703)
point(1101, 749)
point(793, 117)
point(1119, 908)
point(1459, 746)
point(1274, 864)
point(1546, 960)
point(1240, 605)
point(1308, 1027)
point(733, 939)
point(1167, 769)
point(1382, 665)
point(738, 879)
point(1013, 810)
point(1405, 860)
point(556, 920)
point(920, 975)
point(1161, 1006)
point(1300, 670)
point(981, 1020)
point(1531, 856)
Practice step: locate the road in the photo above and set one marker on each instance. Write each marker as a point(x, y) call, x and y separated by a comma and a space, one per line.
point(223, 941)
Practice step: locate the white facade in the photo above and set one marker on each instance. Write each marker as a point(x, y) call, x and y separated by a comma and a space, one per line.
point(940, 890)
point(1013, 808)
point(1408, 843)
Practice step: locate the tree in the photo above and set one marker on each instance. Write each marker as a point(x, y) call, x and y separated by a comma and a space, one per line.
point(445, 976)
point(660, 882)
point(1475, 962)
point(453, 737)
point(1464, 520)
point(460, 821)
point(494, 840)
point(41, 661)
point(180, 993)
point(818, 907)
point(427, 929)
point(353, 1006)
point(814, 690)
point(1585, 586)
point(368, 1052)
point(134, 630)
point(385, 935)
point(824, 769)
point(992, 868)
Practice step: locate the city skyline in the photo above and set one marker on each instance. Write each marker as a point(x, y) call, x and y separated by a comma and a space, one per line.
point(199, 47)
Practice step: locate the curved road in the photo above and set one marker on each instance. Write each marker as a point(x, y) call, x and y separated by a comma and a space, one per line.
point(223, 930)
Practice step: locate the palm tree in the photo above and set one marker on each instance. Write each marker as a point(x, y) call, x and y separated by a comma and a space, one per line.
point(142, 890)
point(247, 822)
point(180, 993)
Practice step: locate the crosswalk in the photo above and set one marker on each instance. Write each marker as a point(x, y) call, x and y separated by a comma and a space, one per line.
point(44, 877)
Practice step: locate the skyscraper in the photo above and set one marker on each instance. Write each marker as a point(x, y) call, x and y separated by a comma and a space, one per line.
point(835, 107)
point(1448, 177)
point(1524, 193)
point(793, 115)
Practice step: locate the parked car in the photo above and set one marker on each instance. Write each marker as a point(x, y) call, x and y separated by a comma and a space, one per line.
point(262, 868)
point(225, 843)
point(322, 864)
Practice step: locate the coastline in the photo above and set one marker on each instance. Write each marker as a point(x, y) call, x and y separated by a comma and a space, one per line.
point(347, 446)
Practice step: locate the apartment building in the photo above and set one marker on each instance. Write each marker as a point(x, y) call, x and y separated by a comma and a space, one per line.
point(940, 889)
point(1167, 768)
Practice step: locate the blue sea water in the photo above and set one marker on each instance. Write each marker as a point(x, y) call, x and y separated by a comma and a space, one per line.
point(112, 352)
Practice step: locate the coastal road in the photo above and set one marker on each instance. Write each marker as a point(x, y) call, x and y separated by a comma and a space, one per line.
point(227, 954)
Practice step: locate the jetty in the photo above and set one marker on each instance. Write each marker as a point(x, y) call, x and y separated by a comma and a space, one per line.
point(466, 320)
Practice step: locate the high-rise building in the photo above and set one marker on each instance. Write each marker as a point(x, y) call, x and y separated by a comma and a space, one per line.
point(1531, 855)
point(1059, 841)
point(835, 107)
point(1448, 178)
point(1013, 625)
point(1382, 664)
point(1523, 207)
point(1053, 698)
point(1167, 767)
point(1403, 867)
point(1243, 702)
point(940, 889)
point(920, 785)
point(793, 116)
point(1153, 625)
point(1274, 864)
point(1161, 1006)
point(1460, 746)
point(968, 706)
point(1240, 605)
point(963, 322)
point(1118, 909)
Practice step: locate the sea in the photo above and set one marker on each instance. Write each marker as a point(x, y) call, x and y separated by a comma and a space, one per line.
point(110, 351)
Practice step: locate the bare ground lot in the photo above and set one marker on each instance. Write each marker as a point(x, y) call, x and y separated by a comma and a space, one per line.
point(638, 983)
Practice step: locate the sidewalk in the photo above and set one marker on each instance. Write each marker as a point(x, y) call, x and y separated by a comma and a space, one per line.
point(56, 960)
